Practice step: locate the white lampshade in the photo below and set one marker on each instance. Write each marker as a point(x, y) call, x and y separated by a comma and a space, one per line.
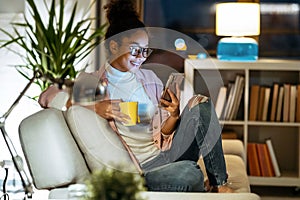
point(237, 19)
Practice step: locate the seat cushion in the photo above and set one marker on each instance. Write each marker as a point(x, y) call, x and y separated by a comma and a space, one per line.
point(198, 196)
point(98, 142)
point(62, 193)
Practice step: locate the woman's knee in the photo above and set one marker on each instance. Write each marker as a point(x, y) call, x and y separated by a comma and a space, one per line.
point(183, 176)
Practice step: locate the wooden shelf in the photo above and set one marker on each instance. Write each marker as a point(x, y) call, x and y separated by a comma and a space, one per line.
point(287, 179)
point(232, 122)
point(286, 124)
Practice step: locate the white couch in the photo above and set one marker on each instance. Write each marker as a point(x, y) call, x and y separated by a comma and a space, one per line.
point(58, 155)
point(62, 148)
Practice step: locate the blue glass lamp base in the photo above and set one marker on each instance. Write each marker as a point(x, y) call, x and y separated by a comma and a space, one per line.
point(237, 49)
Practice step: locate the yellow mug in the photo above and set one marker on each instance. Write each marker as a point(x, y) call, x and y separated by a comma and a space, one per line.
point(130, 109)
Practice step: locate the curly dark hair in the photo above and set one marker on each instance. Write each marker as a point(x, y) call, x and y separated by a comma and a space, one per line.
point(122, 16)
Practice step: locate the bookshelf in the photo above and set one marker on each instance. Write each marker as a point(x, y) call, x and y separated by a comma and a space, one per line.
point(207, 76)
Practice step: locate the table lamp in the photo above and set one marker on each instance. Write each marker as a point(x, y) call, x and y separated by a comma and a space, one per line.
point(238, 20)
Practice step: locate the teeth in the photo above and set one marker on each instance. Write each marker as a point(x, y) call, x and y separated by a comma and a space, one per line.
point(134, 63)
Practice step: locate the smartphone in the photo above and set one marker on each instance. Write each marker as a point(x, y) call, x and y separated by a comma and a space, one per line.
point(173, 80)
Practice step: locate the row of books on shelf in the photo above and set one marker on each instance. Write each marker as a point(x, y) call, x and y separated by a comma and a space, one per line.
point(261, 159)
point(229, 99)
point(280, 103)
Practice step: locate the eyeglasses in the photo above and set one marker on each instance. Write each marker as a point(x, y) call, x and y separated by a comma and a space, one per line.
point(136, 50)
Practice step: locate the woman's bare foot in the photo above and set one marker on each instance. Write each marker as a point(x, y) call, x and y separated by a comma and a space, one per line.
point(223, 189)
point(207, 187)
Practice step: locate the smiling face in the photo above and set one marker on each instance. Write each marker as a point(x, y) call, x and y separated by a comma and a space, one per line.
point(121, 57)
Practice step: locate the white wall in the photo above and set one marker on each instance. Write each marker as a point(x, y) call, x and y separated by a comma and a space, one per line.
point(9, 6)
point(12, 83)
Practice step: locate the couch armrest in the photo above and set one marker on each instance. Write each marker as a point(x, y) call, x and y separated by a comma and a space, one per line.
point(234, 147)
point(51, 153)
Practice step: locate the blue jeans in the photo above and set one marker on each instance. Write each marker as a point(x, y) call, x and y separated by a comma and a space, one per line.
point(198, 134)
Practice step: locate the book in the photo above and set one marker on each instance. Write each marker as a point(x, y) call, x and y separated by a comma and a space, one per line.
point(238, 99)
point(221, 99)
point(231, 87)
point(252, 160)
point(274, 101)
point(298, 104)
point(254, 96)
point(229, 135)
point(266, 104)
point(273, 157)
point(266, 167)
point(286, 102)
point(233, 98)
point(292, 109)
point(279, 104)
point(261, 101)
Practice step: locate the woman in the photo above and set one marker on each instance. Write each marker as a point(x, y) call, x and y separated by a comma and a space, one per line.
point(166, 144)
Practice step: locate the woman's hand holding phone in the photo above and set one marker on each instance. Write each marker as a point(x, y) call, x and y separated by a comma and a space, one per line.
point(172, 86)
point(173, 105)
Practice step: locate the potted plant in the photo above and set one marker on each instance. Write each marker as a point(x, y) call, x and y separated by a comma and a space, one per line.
point(53, 48)
point(114, 184)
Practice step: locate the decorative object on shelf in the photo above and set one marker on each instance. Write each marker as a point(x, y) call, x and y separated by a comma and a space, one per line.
point(180, 44)
point(114, 184)
point(51, 52)
point(237, 19)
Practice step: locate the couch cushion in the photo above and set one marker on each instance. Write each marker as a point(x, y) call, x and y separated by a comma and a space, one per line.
point(62, 193)
point(98, 142)
point(52, 155)
point(198, 196)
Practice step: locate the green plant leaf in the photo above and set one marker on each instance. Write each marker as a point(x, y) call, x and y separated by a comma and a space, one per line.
point(114, 184)
point(52, 48)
